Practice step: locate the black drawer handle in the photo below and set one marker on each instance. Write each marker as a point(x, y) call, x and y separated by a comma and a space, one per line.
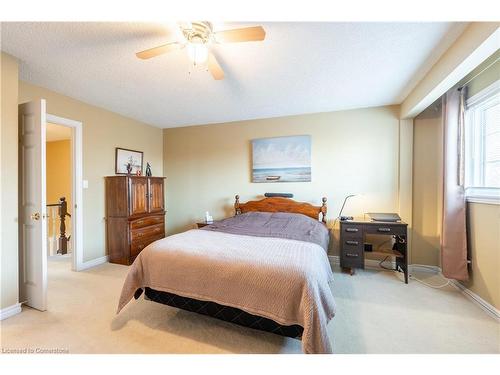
point(351, 255)
point(384, 229)
point(351, 229)
point(352, 242)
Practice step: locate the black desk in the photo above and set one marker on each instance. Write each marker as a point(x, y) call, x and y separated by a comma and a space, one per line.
point(352, 239)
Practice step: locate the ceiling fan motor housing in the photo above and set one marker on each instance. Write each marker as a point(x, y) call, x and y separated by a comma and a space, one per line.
point(200, 32)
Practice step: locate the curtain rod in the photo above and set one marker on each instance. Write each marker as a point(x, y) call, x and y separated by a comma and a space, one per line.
point(478, 74)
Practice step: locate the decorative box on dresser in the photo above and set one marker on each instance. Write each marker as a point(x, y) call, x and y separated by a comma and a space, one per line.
point(135, 215)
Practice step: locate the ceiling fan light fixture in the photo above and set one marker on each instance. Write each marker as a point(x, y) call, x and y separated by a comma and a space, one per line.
point(197, 52)
point(198, 37)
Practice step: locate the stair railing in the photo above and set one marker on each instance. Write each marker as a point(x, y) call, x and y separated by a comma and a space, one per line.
point(62, 212)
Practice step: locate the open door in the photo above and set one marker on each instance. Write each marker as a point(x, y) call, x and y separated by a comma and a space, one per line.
point(32, 209)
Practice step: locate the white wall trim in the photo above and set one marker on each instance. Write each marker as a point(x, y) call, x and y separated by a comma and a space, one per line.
point(373, 263)
point(483, 200)
point(481, 303)
point(9, 311)
point(77, 189)
point(93, 263)
point(334, 260)
point(484, 93)
point(487, 307)
point(425, 268)
point(369, 263)
point(446, 72)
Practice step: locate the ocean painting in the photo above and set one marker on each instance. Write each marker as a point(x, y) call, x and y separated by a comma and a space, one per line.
point(282, 159)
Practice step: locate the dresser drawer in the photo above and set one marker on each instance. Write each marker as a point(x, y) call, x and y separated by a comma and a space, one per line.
point(151, 231)
point(138, 245)
point(353, 261)
point(352, 252)
point(352, 256)
point(146, 221)
point(384, 229)
point(352, 243)
point(351, 230)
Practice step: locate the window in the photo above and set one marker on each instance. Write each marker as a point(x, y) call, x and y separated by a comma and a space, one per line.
point(482, 145)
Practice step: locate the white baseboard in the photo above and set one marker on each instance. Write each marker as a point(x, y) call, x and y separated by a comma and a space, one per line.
point(334, 260)
point(425, 268)
point(487, 307)
point(9, 311)
point(369, 263)
point(93, 263)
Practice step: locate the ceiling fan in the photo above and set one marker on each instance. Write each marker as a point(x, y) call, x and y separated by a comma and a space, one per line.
point(199, 36)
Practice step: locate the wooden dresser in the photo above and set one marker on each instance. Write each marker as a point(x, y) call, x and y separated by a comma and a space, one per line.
point(135, 215)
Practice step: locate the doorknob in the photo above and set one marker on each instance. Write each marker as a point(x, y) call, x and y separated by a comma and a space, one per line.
point(35, 216)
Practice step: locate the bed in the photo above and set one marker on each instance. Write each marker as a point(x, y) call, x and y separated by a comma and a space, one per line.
point(265, 268)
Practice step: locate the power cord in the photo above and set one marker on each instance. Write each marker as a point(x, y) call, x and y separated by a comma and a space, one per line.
point(427, 284)
point(384, 267)
point(381, 265)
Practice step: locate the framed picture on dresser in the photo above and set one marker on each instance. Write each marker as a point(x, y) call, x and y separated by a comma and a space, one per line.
point(128, 161)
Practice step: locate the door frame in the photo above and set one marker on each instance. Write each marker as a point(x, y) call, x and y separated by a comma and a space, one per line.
point(77, 186)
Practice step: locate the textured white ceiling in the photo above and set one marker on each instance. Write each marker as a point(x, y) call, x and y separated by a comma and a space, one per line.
point(299, 68)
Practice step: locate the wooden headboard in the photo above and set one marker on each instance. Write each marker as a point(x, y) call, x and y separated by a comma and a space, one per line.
point(277, 204)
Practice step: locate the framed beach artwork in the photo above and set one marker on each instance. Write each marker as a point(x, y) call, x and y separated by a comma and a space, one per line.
point(128, 161)
point(282, 159)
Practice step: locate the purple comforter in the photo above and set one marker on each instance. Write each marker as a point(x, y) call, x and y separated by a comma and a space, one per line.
point(275, 224)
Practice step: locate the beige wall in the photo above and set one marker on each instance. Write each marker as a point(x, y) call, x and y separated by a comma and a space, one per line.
point(59, 178)
point(484, 245)
point(405, 194)
point(8, 181)
point(102, 132)
point(352, 152)
point(427, 186)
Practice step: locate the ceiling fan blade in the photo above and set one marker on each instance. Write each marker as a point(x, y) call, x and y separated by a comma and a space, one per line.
point(247, 34)
point(214, 67)
point(153, 52)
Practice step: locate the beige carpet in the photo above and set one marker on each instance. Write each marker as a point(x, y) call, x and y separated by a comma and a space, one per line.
point(377, 313)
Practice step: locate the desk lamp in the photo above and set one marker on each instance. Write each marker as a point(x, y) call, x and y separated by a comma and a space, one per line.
point(344, 218)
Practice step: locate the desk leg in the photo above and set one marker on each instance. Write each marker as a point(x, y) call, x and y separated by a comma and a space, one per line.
point(348, 270)
point(405, 247)
point(402, 263)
